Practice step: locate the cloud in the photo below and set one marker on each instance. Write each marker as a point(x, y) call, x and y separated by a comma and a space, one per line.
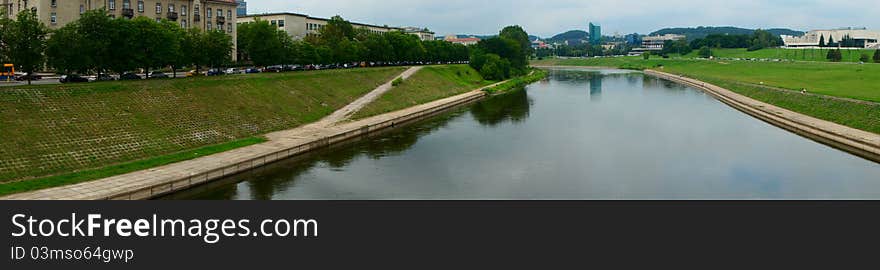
point(549, 17)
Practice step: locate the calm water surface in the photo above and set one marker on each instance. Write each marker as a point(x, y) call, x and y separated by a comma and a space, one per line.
point(581, 134)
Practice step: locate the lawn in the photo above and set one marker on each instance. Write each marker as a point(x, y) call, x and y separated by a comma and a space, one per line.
point(429, 84)
point(817, 55)
point(846, 80)
point(61, 129)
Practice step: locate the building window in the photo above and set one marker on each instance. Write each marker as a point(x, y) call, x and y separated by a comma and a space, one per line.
point(111, 4)
point(209, 26)
point(82, 9)
point(209, 13)
point(229, 14)
point(219, 12)
point(158, 8)
point(196, 10)
point(273, 22)
point(183, 24)
point(54, 18)
point(183, 10)
point(220, 26)
point(126, 4)
point(141, 6)
point(170, 8)
point(280, 23)
point(229, 28)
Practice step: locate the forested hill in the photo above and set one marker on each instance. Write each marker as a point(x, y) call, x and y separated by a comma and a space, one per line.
point(702, 31)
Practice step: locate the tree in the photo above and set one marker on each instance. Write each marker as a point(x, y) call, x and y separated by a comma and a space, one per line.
point(173, 55)
point(96, 39)
point(519, 35)
point(877, 56)
point(835, 55)
point(5, 24)
point(822, 40)
point(646, 55)
point(65, 50)
point(218, 48)
point(26, 42)
point(864, 58)
point(705, 52)
point(191, 47)
point(121, 57)
point(495, 68)
point(259, 42)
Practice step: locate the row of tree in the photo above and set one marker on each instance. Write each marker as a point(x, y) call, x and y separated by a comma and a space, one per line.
point(97, 43)
point(340, 42)
point(503, 56)
point(760, 39)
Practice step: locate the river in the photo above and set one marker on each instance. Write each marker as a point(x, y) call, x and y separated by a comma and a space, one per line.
point(580, 134)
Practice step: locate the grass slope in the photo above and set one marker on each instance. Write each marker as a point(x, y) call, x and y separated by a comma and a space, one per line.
point(429, 84)
point(829, 80)
point(52, 130)
point(816, 55)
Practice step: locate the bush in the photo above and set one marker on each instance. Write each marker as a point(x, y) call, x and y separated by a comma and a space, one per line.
point(397, 81)
point(834, 55)
point(864, 58)
point(495, 69)
point(877, 56)
point(646, 55)
point(705, 52)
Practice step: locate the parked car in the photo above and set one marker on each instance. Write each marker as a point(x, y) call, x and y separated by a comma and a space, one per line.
point(273, 69)
point(193, 73)
point(73, 78)
point(215, 72)
point(158, 75)
point(234, 71)
point(252, 71)
point(25, 77)
point(130, 76)
point(104, 78)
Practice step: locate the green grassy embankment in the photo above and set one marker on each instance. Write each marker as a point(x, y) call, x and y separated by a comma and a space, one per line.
point(429, 84)
point(64, 134)
point(815, 55)
point(534, 76)
point(833, 84)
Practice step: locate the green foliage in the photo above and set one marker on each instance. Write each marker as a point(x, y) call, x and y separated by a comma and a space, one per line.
point(340, 42)
point(877, 56)
point(65, 51)
point(501, 57)
point(98, 43)
point(646, 55)
point(26, 41)
point(397, 81)
point(705, 52)
point(495, 68)
point(864, 58)
point(534, 76)
point(762, 39)
point(834, 55)
point(676, 46)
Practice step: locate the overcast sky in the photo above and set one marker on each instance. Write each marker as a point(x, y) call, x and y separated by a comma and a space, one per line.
point(545, 18)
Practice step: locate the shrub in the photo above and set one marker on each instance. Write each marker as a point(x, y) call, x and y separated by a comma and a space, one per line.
point(705, 52)
point(864, 58)
point(646, 56)
point(877, 56)
point(397, 81)
point(495, 68)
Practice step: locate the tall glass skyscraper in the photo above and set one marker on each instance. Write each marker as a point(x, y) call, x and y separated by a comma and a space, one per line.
point(241, 10)
point(595, 34)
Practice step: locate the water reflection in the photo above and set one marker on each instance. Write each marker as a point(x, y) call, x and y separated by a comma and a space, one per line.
point(636, 137)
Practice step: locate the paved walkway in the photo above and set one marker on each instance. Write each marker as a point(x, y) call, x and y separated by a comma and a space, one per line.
point(153, 182)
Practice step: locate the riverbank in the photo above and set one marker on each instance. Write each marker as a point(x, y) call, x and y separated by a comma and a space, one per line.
point(169, 178)
point(65, 134)
point(842, 93)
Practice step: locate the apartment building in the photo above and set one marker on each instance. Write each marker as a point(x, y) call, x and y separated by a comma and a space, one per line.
point(299, 26)
point(202, 14)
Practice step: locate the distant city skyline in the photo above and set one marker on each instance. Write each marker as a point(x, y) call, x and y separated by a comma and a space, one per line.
point(547, 18)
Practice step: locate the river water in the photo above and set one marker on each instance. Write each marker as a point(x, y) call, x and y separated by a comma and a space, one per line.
point(580, 134)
